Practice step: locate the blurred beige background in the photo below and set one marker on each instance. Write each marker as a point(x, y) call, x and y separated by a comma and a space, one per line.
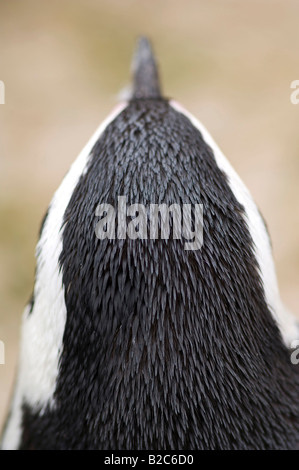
point(63, 63)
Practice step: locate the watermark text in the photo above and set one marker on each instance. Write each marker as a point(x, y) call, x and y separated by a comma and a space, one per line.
point(2, 92)
point(2, 353)
point(153, 222)
point(295, 94)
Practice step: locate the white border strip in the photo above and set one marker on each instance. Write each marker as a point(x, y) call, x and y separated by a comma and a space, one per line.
point(287, 323)
point(43, 328)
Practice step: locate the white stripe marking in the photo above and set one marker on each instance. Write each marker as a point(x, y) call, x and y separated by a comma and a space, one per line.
point(287, 323)
point(42, 330)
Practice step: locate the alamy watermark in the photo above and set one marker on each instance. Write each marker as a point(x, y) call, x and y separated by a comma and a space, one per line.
point(151, 222)
point(295, 353)
point(295, 94)
point(2, 92)
point(2, 353)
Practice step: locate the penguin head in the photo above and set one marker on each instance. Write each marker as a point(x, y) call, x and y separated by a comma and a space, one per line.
point(155, 321)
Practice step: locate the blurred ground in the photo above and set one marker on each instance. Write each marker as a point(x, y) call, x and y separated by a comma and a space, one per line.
point(63, 63)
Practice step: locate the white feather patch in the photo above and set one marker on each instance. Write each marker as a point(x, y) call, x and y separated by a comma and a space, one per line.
point(287, 323)
point(43, 328)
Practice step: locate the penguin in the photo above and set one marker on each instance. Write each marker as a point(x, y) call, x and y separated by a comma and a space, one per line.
point(133, 343)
